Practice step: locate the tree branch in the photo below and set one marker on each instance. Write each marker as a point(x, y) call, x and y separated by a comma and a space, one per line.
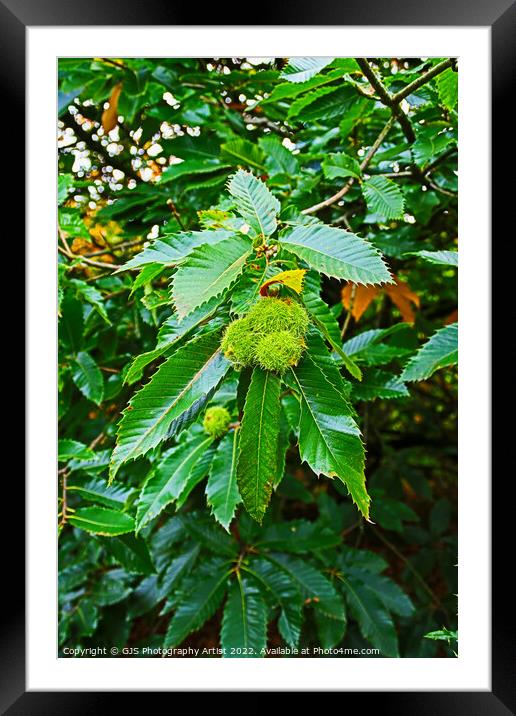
point(365, 162)
point(426, 77)
point(68, 253)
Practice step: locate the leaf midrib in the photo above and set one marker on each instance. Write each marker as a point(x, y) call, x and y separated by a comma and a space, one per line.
point(334, 258)
point(173, 404)
point(178, 469)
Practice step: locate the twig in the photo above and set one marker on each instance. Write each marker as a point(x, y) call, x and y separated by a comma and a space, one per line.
point(350, 310)
point(96, 441)
point(64, 504)
point(365, 162)
point(393, 102)
point(440, 189)
point(426, 77)
point(175, 213)
point(257, 121)
point(116, 247)
point(89, 262)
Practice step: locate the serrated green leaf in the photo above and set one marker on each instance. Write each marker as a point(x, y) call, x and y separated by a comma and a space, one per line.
point(390, 513)
point(170, 250)
point(298, 537)
point(170, 477)
point(242, 151)
point(324, 360)
point(445, 258)
point(199, 471)
point(323, 103)
point(131, 553)
point(147, 274)
point(383, 197)
point(392, 597)
point(191, 167)
point(209, 535)
point(169, 335)
point(431, 140)
point(330, 631)
point(448, 88)
point(207, 272)
point(221, 489)
point(101, 521)
point(362, 559)
point(95, 489)
point(93, 466)
point(440, 351)
point(373, 619)
point(71, 323)
point(254, 202)
point(144, 597)
point(380, 384)
point(278, 159)
point(285, 593)
point(111, 588)
point(362, 341)
point(88, 378)
point(86, 617)
point(301, 69)
point(198, 605)
point(244, 622)
point(92, 296)
point(171, 400)
point(337, 253)
point(314, 586)
point(286, 90)
point(177, 569)
point(319, 308)
point(258, 449)
point(341, 165)
point(329, 439)
point(68, 449)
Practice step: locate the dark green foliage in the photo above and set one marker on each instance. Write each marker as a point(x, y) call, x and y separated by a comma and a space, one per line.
point(247, 467)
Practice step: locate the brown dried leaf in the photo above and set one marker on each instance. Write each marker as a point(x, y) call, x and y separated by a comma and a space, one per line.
point(357, 298)
point(110, 115)
point(403, 296)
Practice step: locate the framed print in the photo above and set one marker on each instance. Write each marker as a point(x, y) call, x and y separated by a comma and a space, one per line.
point(253, 462)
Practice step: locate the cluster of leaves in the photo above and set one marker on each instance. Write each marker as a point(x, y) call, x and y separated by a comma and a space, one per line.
point(196, 190)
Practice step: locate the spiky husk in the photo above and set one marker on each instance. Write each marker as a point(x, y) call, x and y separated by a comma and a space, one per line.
point(216, 421)
point(239, 342)
point(278, 351)
point(270, 315)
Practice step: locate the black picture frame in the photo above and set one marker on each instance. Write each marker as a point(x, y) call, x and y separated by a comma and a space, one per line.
point(500, 15)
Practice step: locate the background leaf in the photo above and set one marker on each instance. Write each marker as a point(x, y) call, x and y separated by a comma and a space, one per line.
point(300, 69)
point(102, 521)
point(244, 624)
point(439, 352)
point(221, 489)
point(383, 197)
point(254, 202)
point(88, 378)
